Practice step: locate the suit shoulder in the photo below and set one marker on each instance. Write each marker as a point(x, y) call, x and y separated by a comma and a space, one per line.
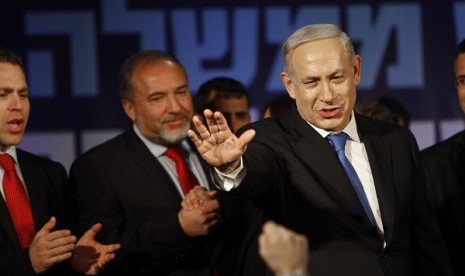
point(375, 126)
point(264, 125)
point(42, 165)
point(37, 160)
point(446, 146)
point(101, 155)
point(106, 147)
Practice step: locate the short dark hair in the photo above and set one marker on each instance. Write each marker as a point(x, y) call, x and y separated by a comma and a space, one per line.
point(9, 56)
point(279, 105)
point(224, 87)
point(132, 62)
point(385, 109)
point(460, 49)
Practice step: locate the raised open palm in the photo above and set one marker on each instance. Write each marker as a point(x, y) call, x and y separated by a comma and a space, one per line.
point(216, 143)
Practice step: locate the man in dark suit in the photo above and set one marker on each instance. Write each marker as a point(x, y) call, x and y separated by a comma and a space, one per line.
point(445, 178)
point(35, 199)
point(130, 183)
point(361, 202)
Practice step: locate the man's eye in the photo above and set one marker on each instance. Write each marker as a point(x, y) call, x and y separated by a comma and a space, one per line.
point(311, 83)
point(461, 81)
point(155, 99)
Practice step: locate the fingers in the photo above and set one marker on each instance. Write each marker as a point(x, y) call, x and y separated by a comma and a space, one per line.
point(220, 122)
point(194, 198)
point(110, 253)
point(274, 231)
point(211, 206)
point(105, 258)
point(246, 137)
point(112, 248)
point(216, 123)
point(212, 122)
point(59, 237)
point(202, 130)
point(190, 200)
point(194, 138)
point(197, 197)
point(51, 223)
point(61, 257)
point(212, 223)
point(197, 222)
point(212, 194)
point(92, 232)
point(263, 244)
point(62, 252)
point(49, 248)
point(90, 256)
point(282, 247)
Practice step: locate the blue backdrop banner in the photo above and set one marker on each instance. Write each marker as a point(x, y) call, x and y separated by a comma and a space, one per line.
point(74, 49)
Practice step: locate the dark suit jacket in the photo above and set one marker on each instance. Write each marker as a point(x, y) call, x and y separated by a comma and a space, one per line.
point(46, 183)
point(123, 186)
point(444, 165)
point(295, 177)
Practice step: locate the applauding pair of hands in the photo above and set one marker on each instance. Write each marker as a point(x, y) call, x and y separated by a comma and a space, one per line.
point(86, 255)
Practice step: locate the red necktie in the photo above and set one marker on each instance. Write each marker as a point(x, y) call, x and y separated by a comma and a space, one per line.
point(17, 202)
point(186, 177)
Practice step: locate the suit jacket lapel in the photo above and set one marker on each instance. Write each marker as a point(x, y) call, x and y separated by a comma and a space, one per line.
point(139, 154)
point(378, 148)
point(457, 158)
point(38, 199)
point(317, 153)
point(7, 223)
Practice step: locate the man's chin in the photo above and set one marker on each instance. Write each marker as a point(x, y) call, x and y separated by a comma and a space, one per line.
point(174, 136)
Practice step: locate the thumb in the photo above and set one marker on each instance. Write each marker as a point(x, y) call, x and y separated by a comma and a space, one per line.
point(48, 226)
point(93, 231)
point(246, 137)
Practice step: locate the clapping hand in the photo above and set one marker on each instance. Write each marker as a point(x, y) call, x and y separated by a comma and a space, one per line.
point(199, 212)
point(89, 256)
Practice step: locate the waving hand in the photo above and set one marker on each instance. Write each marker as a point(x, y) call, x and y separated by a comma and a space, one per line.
point(216, 143)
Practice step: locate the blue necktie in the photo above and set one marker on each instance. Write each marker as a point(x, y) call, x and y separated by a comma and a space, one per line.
point(338, 141)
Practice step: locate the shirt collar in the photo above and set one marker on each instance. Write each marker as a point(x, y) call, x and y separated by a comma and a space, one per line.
point(156, 149)
point(350, 129)
point(12, 152)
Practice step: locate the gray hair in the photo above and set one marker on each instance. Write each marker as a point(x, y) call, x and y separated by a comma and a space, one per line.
point(314, 32)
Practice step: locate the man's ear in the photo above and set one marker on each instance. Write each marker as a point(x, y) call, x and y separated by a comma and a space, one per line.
point(128, 107)
point(288, 84)
point(357, 68)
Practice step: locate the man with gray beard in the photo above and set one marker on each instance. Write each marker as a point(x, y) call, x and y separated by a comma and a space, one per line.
point(134, 183)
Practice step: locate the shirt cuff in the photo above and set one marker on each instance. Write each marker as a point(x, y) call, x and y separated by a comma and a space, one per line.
point(229, 181)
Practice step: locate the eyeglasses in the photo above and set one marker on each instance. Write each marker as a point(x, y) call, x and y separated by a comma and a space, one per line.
point(460, 81)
